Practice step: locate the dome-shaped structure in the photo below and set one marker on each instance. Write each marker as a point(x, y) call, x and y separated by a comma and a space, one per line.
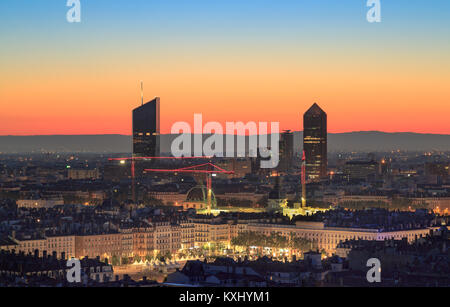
point(197, 198)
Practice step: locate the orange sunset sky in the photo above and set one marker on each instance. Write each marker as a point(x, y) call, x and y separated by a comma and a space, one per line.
point(268, 65)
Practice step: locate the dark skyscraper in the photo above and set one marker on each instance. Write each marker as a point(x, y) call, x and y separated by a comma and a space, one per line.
point(286, 151)
point(315, 142)
point(146, 129)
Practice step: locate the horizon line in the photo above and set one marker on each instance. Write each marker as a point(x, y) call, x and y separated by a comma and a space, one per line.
point(293, 131)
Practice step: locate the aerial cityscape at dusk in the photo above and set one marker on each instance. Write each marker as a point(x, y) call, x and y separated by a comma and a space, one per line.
point(239, 144)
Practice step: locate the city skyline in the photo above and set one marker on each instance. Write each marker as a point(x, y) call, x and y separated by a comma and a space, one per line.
point(224, 151)
point(231, 61)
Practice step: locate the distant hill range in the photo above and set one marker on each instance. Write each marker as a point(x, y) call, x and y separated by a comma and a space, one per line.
point(372, 141)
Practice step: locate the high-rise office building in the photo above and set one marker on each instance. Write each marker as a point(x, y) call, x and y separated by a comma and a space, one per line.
point(361, 170)
point(315, 142)
point(286, 152)
point(146, 129)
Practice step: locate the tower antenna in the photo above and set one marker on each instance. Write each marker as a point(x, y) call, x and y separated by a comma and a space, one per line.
point(142, 92)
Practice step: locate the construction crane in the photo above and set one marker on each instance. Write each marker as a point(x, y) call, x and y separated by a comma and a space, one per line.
point(208, 169)
point(133, 166)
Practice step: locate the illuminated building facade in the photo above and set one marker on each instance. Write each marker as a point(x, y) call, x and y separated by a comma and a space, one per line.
point(61, 245)
point(103, 245)
point(209, 231)
point(146, 129)
point(327, 238)
point(315, 142)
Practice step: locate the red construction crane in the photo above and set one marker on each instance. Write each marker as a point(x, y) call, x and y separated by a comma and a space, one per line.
point(133, 169)
point(208, 169)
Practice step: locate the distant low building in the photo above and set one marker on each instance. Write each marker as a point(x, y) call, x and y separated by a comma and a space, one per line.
point(83, 174)
point(39, 203)
point(439, 205)
point(32, 266)
point(239, 167)
point(365, 198)
point(361, 170)
point(174, 198)
point(7, 244)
